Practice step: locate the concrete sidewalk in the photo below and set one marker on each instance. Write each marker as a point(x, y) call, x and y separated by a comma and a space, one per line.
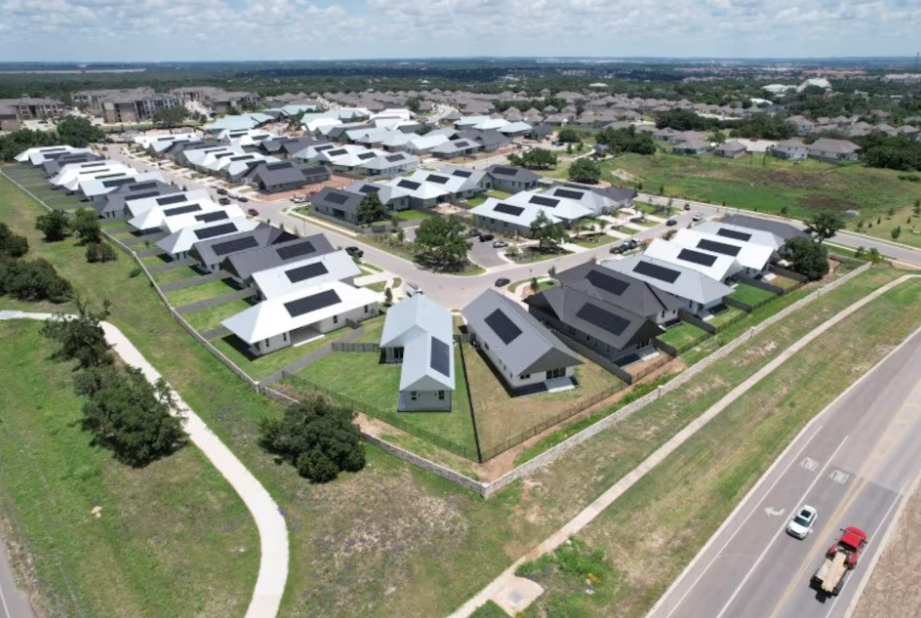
point(273, 532)
point(514, 593)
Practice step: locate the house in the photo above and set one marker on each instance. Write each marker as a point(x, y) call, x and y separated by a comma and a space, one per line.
point(51, 166)
point(389, 164)
point(70, 175)
point(96, 191)
point(242, 266)
point(731, 149)
point(284, 279)
point(158, 217)
point(664, 134)
point(285, 176)
point(679, 137)
point(511, 179)
point(516, 213)
point(784, 231)
point(418, 334)
point(804, 126)
point(37, 155)
point(522, 351)
point(718, 266)
point(210, 253)
point(344, 203)
point(611, 314)
point(697, 292)
point(135, 206)
point(833, 149)
point(515, 129)
point(691, 147)
point(426, 189)
point(540, 132)
point(301, 316)
point(791, 149)
point(178, 244)
point(114, 204)
point(744, 234)
point(456, 148)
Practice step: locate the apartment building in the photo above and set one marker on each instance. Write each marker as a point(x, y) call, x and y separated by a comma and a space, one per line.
point(14, 111)
point(217, 99)
point(126, 105)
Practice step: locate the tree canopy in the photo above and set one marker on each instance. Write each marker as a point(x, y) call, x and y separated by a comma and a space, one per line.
point(371, 209)
point(568, 135)
point(825, 225)
point(626, 140)
point(440, 242)
point(548, 234)
point(12, 245)
point(85, 225)
point(585, 170)
point(317, 437)
point(81, 338)
point(808, 258)
point(33, 280)
point(78, 132)
point(55, 225)
point(536, 158)
point(170, 117)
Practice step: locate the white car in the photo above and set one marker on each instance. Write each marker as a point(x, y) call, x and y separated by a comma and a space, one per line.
point(698, 216)
point(801, 525)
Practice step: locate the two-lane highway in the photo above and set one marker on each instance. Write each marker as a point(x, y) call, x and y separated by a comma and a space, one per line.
point(13, 602)
point(853, 465)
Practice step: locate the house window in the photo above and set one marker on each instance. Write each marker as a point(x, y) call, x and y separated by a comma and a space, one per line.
point(266, 343)
point(485, 345)
point(398, 353)
point(366, 308)
point(284, 336)
point(571, 331)
point(335, 319)
point(441, 395)
point(556, 373)
point(412, 395)
point(525, 376)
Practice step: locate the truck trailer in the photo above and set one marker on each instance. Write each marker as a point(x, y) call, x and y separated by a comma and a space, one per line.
point(840, 560)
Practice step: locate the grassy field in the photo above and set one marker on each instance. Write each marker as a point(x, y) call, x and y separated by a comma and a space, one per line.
point(750, 295)
point(489, 610)
point(173, 539)
point(373, 329)
point(769, 184)
point(378, 286)
point(683, 334)
point(174, 275)
point(210, 317)
point(880, 225)
point(596, 240)
point(413, 215)
point(726, 317)
point(197, 293)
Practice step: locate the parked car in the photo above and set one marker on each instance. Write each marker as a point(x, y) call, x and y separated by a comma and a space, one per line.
point(243, 199)
point(502, 282)
point(486, 237)
point(698, 216)
point(671, 222)
point(223, 200)
point(222, 191)
point(354, 251)
point(687, 206)
point(802, 523)
point(413, 289)
point(474, 232)
point(625, 246)
point(252, 212)
point(499, 244)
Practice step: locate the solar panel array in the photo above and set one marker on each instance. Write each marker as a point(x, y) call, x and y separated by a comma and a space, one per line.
point(312, 303)
point(504, 171)
point(117, 182)
point(605, 320)
point(606, 282)
point(366, 189)
point(242, 157)
point(504, 328)
point(508, 209)
point(181, 210)
point(656, 272)
point(97, 164)
point(140, 196)
point(461, 144)
point(439, 180)
point(409, 184)
point(703, 259)
point(366, 155)
point(216, 230)
point(140, 186)
point(112, 175)
point(462, 173)
point(337, 153)
point(293, 251)
point(544, 201)
point(234, 246)
point(171, 199)
point(281, 165)
point(440, 359)
point(719, 247)
point(572, 195)
point(733, 234)
point(208, 217)
point(336, 198)
point(323, 147)
point(394, 158)
point(306, 272)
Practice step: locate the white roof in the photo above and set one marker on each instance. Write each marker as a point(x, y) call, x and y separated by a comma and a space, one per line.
point(29, 153)
point(446, 183)
point(161, 142)
point(515, 127)
point(412, 324)
point(183, 240)
point(523, 208)
point(271, 318)
point(140, 205)
point(469, 121)
point(91, 188)
point(491, 124)
point(424, 143)
point(157, 216)
point(106, 173)
point(322, 121)
point(353, 155)
point(715, 266)
point(206, 156)
point(175, 223)
point(400, 113)
point(758, 237)
point(682, 283)
point(749, 255)
point(287, 278)
point(69, 172)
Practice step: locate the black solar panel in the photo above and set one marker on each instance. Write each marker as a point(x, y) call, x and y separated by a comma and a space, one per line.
point(293, 251)
point(440, 360)
point(234, 246)
point(395, 158)
point(242, 157)
point(439, 180)
point(208, 217)
point(462, 173)
point(337, 153)
point(117, 182)
point(140, 196)
point(656, 272)
point(369, 189)
point(141, 186)
point(312, 303)
point(733, 234)
point(323, 147)
point(704, 259)
point(306, 272)
point(281, 165)
point(104, 176)
point(97, 164)
point(544, 201)
point(408, 184)
point(719, 247)
point(171, 199)
point(509, 209)
point(607, 282)
point(605, 320)
point(461, 144)
point(216, 230)
point(504, 171)
point(572, 195)
point(336, 198)
point(181, 210)
point(366, 155)
point(504, 328)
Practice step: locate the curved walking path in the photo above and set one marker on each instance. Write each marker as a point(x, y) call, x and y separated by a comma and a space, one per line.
point(514, 593)
point(273, 532)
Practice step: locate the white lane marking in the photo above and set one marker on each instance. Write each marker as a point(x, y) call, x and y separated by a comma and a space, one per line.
point(839, 476)
point(772, 512)
point(809, 463)
point(744, 521)
point(6, 609)
point(777, 534)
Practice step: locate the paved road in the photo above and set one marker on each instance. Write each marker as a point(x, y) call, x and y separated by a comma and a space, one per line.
point(13, 602)
point(853, 465)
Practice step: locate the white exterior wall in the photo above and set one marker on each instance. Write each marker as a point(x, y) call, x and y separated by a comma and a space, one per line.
point(283, 340)
point(512, 380)
point(426, 401)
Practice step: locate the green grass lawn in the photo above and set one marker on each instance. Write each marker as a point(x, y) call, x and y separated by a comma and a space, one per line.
point(596, 240)
point(413, 215)
point(529, 255)
point(196, 293)
point(750, 295)
point(489, 610)
point(499, 195)
point(726, 317)
point(682, 335)
point(377, 286)
point(373, 330)
point(175, 275)
point(173, 539)
point(883, 224)
point(210, 317)
point(768, 184)
point(474, 201)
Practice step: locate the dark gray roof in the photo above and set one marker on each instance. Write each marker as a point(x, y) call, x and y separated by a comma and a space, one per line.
point(784, 231)
point(529, 347)
point(618, 289)
point(279, 173)
point(53, 165)
point(339, 199)
point(486, 138)
point(244, 264)
point(542, 130)
point(262, 236)
point(115, 201)
point(617, 194)
point(510, 172)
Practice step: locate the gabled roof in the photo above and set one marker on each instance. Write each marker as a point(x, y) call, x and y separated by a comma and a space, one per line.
point(676, 280)
point(245, 264)
point(213, 251)
point(618, 289)
point(522, 208)
point(686, 253)
point(158, 216)
point(412, 324)
point(210, 212)
point(109, 185)
point(744, 234)
point(115, 201)
point(138, 205)
point(292, 276)
point(522, 343)
point(782, 230)
point(839, 146)
point(510, 173)
point(184, 239)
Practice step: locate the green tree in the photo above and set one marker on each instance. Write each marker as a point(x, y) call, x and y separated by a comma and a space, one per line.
point(170, 117)
point(808, 258)
point(388, 296)
point(440, 242)
point(896, 232)
point(317, 437)
point(33, 280)
point(548, 234)
point(585, 170)
point(568, 135)
point(81, 338)
point(55, 225)
point(85, 225)
point(874, 256)
point(371, 209)
point(824, 225)
point(917, 208)
point(535, 286)
point(100, 252)
point(537, 158)
point(78, 132)
point(12, 245)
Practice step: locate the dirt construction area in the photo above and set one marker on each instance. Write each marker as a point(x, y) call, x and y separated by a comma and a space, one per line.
point(893, 590)
point(337, 182)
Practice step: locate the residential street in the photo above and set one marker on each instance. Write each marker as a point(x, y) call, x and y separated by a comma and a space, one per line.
point(13, 602)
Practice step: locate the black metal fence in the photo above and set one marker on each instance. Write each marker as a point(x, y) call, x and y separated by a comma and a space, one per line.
point(339, 346)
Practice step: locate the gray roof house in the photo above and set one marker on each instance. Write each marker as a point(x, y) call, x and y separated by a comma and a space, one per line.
point(783, 230)
point(52, 166)
point(511, 179)
point(241, 266)
point(285, 176)
point(540, 132)
point(528, 357)
point(210, 253)
point(833, 149)
point(791, 149)
point(418, 333)
point(691, 147)
point(730, 149)
point(113, 207)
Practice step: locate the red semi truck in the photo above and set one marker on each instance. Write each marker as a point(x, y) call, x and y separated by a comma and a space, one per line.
point(840, 559)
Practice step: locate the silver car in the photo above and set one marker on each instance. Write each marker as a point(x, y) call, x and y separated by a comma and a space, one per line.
point(801, 525)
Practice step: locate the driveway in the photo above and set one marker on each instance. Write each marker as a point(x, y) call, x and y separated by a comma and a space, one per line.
point(484, 254)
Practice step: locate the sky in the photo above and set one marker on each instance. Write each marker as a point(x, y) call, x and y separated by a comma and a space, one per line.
point(209, 30)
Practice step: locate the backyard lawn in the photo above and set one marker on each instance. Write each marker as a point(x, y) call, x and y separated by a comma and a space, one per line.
point(174, 275)
point(750, 295)
point(413, 215)
point(682, 335)
point(499, 195)
point(474, 201)
point(726, 317)
point(197, 293)
point(210, 317)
